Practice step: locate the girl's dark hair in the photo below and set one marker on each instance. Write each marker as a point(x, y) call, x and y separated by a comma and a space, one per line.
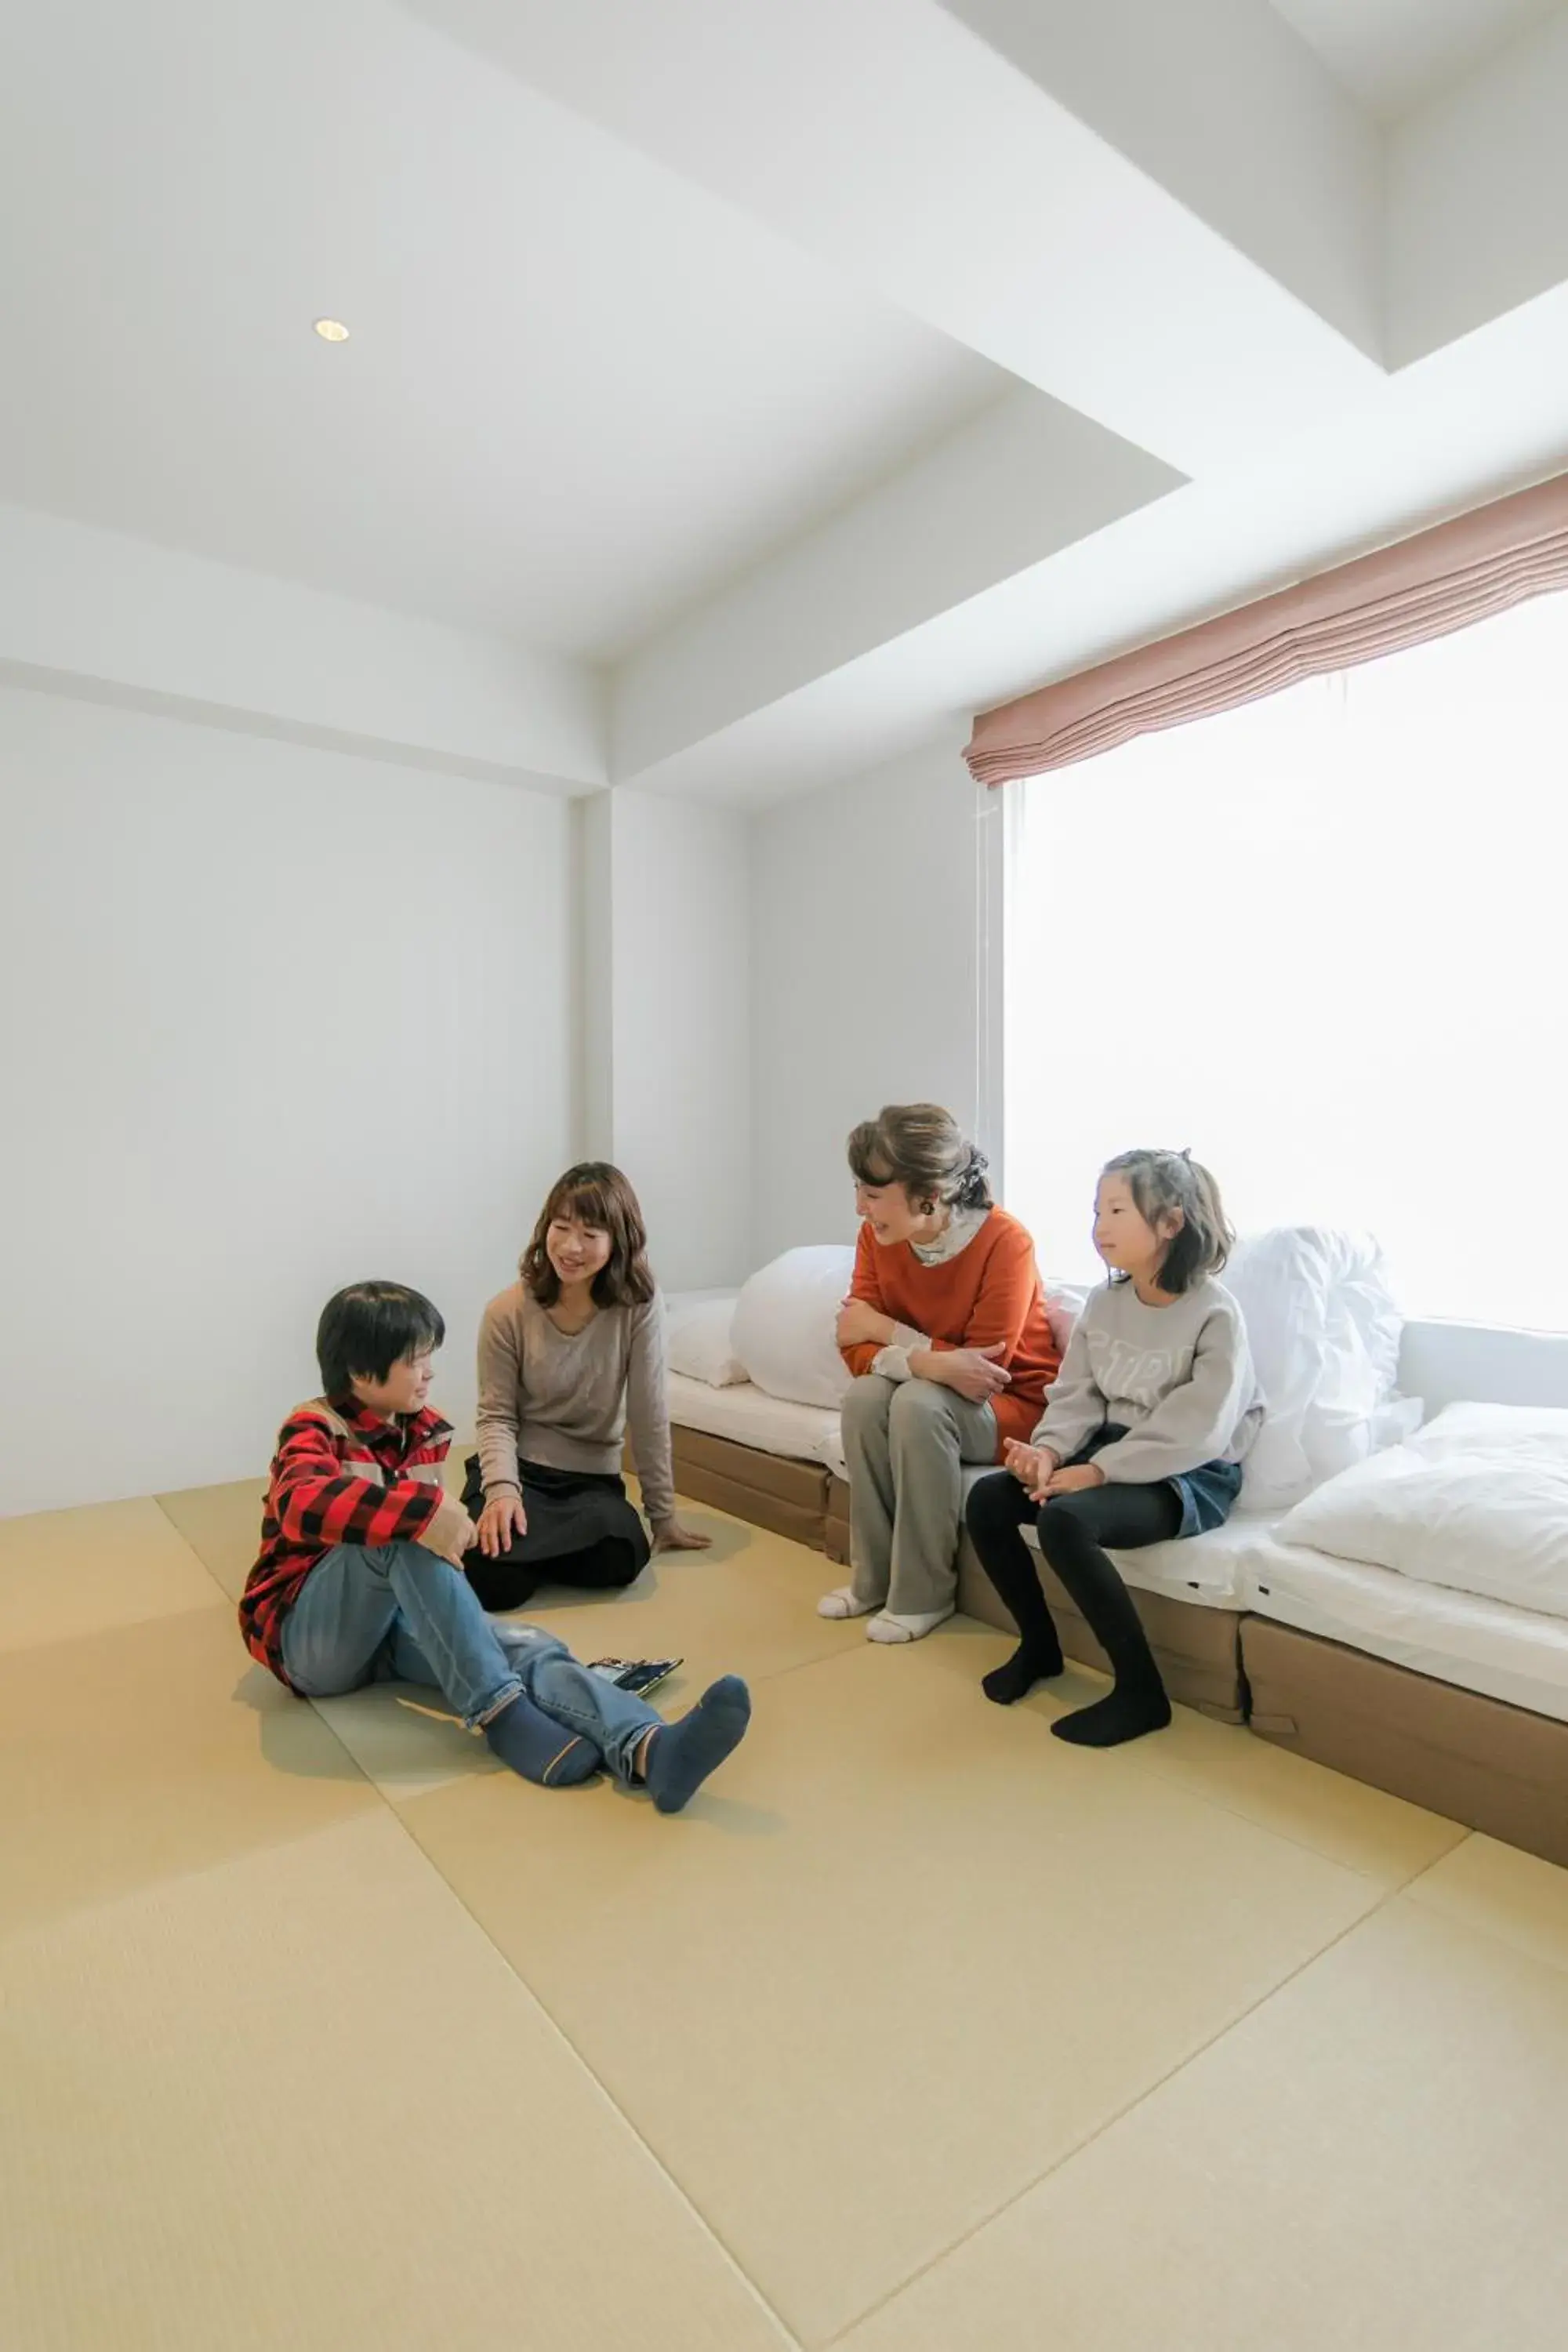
point(921, 1147)
point(599, 1196)
point(1160, 1182)
point(370, 1327)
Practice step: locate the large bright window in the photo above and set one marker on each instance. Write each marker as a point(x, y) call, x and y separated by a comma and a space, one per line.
point(1321, 941)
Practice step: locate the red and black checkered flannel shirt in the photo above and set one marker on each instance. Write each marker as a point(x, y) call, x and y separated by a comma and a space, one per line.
point(341, 1475)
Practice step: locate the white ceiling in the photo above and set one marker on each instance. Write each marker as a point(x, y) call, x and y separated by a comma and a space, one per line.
point(805, 373)
point(1393, 54)
point(578, 391)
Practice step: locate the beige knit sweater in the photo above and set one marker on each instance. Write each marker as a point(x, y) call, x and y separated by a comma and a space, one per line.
point(565, 1401)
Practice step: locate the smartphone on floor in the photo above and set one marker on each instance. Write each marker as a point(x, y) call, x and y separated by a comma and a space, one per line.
point(639, 1674)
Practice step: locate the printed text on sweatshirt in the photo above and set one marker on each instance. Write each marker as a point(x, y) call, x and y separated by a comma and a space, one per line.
point(1178, 1378)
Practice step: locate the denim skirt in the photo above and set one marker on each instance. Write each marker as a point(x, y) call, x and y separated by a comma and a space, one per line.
point(1206, 1495)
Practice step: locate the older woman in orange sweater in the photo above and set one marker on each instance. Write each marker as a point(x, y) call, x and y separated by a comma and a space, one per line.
point(945, 1330)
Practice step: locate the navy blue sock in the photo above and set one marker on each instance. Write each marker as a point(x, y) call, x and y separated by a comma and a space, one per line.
point(682, 1755)
point(531, 1743)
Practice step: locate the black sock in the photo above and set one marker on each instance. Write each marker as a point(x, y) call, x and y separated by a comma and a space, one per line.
point(998, 1508)
point(1130, 1710)
point(1037, 1658)
point(1068, 1531)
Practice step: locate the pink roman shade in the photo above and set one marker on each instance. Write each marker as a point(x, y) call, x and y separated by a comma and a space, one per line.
point(1440, 580)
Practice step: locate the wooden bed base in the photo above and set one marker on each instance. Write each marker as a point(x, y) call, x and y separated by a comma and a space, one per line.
point(768, 1490)
point(1495, 1767)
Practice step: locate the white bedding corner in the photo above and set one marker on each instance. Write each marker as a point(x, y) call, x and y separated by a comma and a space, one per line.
point(748, 1415)
point(1476, 1502)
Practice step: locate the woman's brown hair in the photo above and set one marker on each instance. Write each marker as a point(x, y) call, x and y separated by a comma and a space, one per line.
point(921, 1147)
point(595, 1194)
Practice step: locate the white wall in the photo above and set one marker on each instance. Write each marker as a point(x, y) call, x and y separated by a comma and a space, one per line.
point(665, 997)
point(273, 1018)
point(868, 911)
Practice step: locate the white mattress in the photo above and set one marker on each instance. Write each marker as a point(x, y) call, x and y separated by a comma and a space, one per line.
point(1209, 1570)
point(1507, 1654)
point(747, 1414)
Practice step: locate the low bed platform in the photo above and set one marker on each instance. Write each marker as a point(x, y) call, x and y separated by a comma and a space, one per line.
point(1456, 1703)
point(776, 1491)
point(767, 1461)
point(1495, 1767)
point(1490, 1763)
point(780, 1467)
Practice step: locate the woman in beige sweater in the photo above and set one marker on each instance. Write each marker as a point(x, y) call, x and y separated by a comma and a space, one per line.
point(569, 1356)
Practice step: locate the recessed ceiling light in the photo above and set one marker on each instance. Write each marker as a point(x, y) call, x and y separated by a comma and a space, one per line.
point(332, 330)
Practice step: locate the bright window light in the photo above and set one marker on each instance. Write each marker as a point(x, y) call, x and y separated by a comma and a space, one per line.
point(1320, 941)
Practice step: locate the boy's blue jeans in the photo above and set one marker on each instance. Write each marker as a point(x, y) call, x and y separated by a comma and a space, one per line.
point(396, 1612)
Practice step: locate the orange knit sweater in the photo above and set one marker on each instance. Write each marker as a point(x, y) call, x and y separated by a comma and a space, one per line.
point(989, 1296)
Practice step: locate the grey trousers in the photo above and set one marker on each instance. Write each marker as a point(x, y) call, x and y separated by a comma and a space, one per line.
point(905, 1443)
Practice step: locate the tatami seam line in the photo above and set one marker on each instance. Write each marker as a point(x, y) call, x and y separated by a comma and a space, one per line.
point(1071, 2155)
point(1385, 1894)
point(789, 2337)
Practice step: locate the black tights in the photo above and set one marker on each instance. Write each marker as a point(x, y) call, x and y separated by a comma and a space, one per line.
point(1074, 1532)
point(606, 1566)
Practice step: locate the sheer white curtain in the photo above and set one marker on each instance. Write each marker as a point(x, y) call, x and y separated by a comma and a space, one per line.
point(1322, 942)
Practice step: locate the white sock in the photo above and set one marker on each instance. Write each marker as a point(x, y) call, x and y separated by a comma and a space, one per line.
point(906, 1628)
point(841, 1602)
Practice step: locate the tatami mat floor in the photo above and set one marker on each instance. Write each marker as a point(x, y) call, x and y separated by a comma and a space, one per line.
point(920, 2033)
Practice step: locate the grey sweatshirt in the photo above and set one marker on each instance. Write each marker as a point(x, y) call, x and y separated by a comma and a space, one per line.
point(1178, 1378)
point(565, 1401)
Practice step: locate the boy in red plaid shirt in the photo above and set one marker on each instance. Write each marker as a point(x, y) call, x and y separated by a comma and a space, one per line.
point(358, 1577)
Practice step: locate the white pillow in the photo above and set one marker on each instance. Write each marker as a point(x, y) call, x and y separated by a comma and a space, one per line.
point(1065, 1302)
point(1477, 1518)
point(784, 1325)
point(1324, 1333)
point(1492, 1429)
point(698, 1342)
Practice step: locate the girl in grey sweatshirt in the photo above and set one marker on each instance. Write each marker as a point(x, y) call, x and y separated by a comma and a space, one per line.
point(1142, 1438)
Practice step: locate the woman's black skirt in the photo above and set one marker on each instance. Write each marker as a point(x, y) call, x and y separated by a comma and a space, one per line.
point(581, 1530)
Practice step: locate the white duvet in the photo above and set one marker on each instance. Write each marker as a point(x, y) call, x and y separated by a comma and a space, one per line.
point(1477, 1501)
